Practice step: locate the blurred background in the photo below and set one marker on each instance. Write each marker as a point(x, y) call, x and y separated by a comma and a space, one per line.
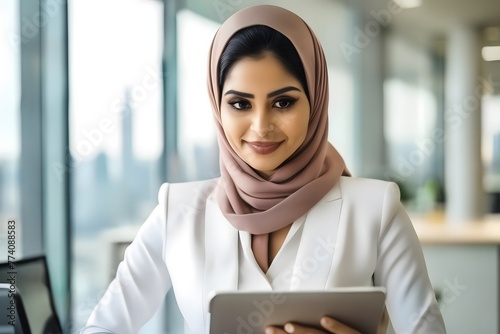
point(101, 101)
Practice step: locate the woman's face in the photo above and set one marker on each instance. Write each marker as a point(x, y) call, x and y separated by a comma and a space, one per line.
point(264, 111)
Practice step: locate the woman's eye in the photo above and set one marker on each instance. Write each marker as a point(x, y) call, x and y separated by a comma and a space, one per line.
point(240, 105)
point(284, 103)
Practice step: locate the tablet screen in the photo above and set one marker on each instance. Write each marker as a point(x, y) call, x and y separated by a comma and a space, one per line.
point(251, 312)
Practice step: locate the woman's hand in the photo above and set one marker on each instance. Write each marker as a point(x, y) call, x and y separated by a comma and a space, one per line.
point(329, 324)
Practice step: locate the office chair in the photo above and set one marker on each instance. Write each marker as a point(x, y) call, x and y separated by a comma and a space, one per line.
point(14, 320)
point(35, 305)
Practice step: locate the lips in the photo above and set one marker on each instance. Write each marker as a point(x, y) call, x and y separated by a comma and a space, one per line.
point(264, 147)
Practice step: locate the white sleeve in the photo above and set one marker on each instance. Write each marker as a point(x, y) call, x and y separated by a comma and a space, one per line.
point(141, 283)
point(401, 268)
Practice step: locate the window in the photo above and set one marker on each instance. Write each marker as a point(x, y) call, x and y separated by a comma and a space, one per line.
point(410, 118)
point(197, 136)
point(116, 135)
point(412, 127)
point(491, 149)
point(491, 134)
point(10, 139)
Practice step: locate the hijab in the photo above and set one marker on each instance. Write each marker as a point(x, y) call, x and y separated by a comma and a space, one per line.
point(262, 205)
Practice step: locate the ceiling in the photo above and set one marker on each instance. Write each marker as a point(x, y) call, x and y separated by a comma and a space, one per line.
point(427, 24)
point(433, 17)
point(436, 17)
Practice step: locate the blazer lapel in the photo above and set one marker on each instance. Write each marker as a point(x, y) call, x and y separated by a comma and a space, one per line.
point(221, 253)
point(317, 246)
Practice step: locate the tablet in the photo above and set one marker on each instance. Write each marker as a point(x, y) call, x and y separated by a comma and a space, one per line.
point(251, 312)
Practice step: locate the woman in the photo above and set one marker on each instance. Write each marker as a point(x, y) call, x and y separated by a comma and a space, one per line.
point(284, 215)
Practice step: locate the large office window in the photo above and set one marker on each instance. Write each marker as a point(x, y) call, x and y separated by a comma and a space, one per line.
point(409, 131)
point(491, 134)
point(413, 131)
point(116, 135)
point(197, 141)
point(491, 149)
point(10, 139)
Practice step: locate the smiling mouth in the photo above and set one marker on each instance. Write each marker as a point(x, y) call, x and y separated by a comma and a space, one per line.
point(264, 147)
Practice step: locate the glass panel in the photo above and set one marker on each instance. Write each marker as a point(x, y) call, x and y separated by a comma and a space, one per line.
point(10, 140)
point(412, 127)
point(412, 139)
point(197, 140)
point(491, 149)
point(115, 55)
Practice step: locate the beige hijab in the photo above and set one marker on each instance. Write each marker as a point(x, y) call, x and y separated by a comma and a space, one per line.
point(248, 201)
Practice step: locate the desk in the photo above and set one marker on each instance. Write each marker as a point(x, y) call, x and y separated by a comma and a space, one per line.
point(432, 229)
point(463, 261)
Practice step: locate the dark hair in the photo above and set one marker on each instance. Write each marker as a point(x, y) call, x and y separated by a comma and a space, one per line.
point(253, 42)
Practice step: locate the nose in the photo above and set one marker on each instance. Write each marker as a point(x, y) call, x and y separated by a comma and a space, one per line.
point(262, 122)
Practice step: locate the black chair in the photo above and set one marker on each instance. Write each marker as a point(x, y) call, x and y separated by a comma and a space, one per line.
point(14, 320)
point(33, 298)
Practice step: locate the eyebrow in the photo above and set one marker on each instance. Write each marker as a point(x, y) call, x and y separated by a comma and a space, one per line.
point(282, 90)
point(272, 94)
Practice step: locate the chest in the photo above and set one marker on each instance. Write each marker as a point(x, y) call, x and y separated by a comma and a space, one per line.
point(205, 253)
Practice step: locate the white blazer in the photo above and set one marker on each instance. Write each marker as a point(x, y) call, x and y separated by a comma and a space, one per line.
point(359, 235)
